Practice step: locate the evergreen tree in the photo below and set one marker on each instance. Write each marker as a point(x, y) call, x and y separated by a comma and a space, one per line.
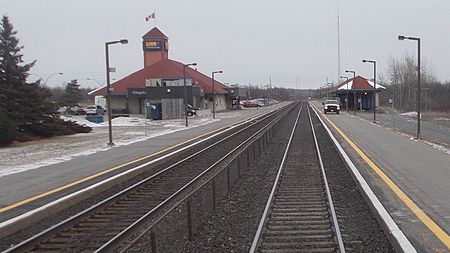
point(72, 96)
point(13, 73)
point(25, 108)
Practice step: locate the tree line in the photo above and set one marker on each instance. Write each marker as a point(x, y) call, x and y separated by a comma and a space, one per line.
point(26, 109)
point(402, 87)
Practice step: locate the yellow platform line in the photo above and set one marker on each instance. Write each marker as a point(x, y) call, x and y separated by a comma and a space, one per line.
point(85, 179)
point(429, 223)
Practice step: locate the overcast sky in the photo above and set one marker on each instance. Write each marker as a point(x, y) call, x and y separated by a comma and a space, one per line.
point(248, 40)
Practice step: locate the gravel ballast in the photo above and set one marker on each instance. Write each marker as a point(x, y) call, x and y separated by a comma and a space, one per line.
point(362, 230)
point(232, 226)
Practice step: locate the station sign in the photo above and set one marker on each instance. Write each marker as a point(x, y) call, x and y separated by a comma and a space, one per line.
point(138, 92)
point(155, 45)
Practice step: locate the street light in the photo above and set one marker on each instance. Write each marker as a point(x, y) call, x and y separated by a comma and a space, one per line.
point(100, 84)
point(354, 92)
point(108, 85)
point(185, 90)
point(54, 74)
point(328, 87)
point(374, 86)
point(95, 80)
point(214, 92)
point(346, 92)
point(400, 37)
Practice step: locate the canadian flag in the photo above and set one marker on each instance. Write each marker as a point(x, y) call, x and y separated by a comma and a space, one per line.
point(149, 17)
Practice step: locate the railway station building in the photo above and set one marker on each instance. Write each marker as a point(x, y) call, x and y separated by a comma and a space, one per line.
point(359, 91)
point(160, 83)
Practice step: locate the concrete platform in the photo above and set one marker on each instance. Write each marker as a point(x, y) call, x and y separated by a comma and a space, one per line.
point(22, 192)
point(413, 181)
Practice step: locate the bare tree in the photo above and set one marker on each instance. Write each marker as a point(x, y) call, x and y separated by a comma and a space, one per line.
point(403, 86)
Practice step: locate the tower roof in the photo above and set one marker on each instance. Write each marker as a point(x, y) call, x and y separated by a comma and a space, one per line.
point(155, 33)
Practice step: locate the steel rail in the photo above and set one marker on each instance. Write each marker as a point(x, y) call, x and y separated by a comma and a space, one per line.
point(270, 202)
point(114, 242)
point(330, 200)
point(275, 186)
point(73, 219)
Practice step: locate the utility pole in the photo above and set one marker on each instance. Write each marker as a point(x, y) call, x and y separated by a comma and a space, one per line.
point(270, 89)
point(338, 42)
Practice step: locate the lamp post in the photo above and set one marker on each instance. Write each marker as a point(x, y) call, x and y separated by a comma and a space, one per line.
point(328, 86)
point(95, 80)
point(100, 84)
point(400, 37)
point(46, 80)
point(214, 92)
point(108, 86)
point(354, 92)
point(54, 74)
point(346, 92)
point(374, 86)
point(185, 90)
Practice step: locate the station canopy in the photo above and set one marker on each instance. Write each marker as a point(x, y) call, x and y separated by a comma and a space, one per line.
point(358, 83)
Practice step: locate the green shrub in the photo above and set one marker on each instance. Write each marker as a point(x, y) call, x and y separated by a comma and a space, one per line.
point(21, 137)
point(8, 130)
point(56, 127)
point(78, 128)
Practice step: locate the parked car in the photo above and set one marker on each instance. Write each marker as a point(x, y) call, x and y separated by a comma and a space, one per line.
point(248, 104)
point(76, 111)
point(95, 110)
point(192, 110)
point(62, 110)
point(331, 105)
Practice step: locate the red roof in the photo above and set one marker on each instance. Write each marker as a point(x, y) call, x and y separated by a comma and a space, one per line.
point(155, 33)
point(165, 68)
point(358, 83)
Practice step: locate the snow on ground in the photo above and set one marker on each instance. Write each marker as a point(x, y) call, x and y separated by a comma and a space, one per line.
point(438, 147)
point(410, 114)
point(126, 130)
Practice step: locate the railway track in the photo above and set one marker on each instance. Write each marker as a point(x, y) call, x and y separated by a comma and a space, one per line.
point(91, 229)
point(299, 215)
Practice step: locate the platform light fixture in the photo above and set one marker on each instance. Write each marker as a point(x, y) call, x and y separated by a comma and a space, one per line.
point(214, 92)
point(185, 89)
point(401, 37)
point(108, 86)
point(374, 86)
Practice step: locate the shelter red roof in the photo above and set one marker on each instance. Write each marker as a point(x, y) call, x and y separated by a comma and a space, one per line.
point(155, 33)
point(165, 68)
point(358, 83)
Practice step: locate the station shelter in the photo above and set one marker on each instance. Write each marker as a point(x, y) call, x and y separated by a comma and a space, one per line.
point(359, 92)
point(161, 82)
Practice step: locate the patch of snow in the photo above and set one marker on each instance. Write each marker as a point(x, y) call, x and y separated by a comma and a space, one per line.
point(439, 147)
point(81, 120)
point(442, 119)
point(409, 114)
point(32, 155)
